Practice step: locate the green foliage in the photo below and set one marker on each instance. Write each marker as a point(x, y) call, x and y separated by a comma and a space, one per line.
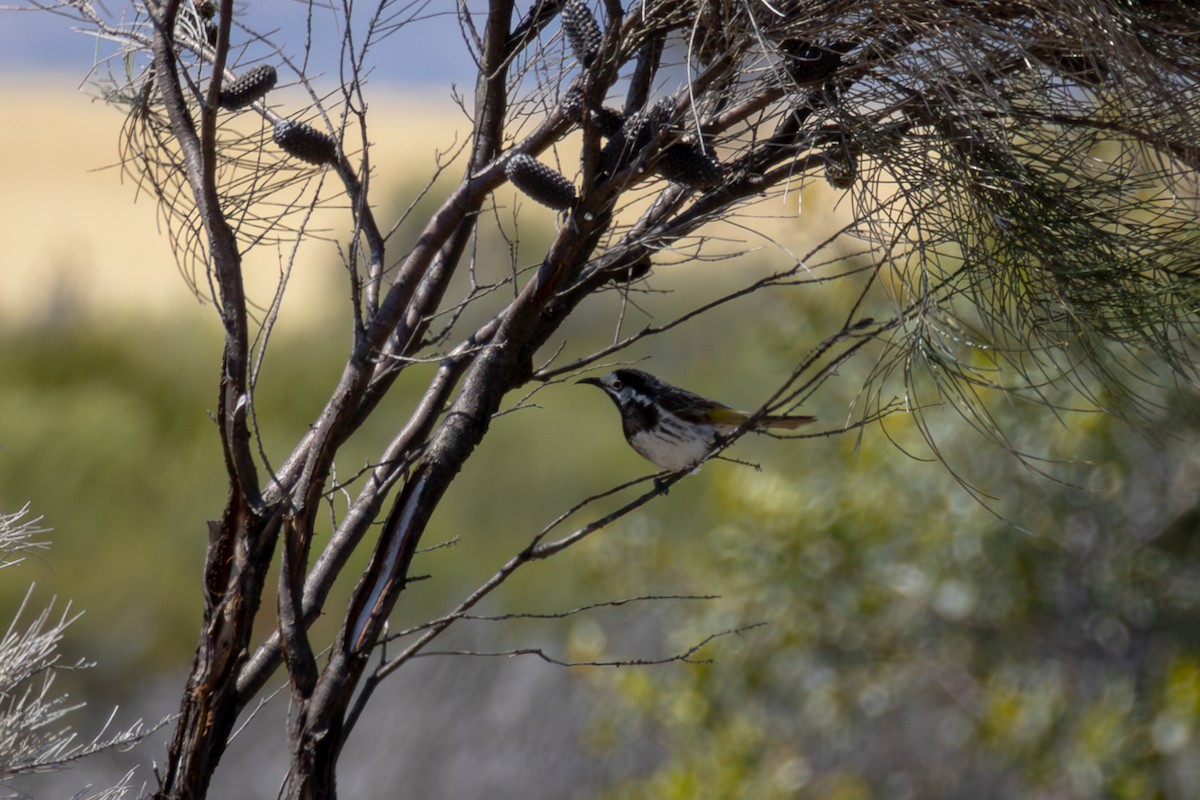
point(1040, 640)
point(114, 447)
point(107, 430)
point(918, 643)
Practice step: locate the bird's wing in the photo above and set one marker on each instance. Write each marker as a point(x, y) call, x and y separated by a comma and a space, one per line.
point(676, 400)
point(702, 411)
point(724, 415)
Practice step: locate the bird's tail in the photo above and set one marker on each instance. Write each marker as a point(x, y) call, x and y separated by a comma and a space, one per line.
point(785, 422)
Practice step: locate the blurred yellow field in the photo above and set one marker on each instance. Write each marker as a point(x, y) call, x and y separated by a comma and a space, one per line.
point(79, 239)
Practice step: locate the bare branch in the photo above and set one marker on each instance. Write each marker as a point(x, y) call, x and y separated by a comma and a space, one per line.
point(684, 657)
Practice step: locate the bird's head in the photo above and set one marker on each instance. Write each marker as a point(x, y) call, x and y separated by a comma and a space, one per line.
point(627, 386)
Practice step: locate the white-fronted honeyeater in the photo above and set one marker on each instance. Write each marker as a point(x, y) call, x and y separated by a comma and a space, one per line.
point(672, 427)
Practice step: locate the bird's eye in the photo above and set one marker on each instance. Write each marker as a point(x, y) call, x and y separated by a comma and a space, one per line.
point(618, 385)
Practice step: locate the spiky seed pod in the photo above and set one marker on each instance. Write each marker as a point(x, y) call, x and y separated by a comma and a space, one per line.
point(643, 126)
point(540, 182)
point(573, 105)
point(583, 34)
point(632, 272)
point(608, 121)
point(809, 64)
point(305, 142)
point(253, 84)
point(841, 168)
point(637, 131)
point(688, 164)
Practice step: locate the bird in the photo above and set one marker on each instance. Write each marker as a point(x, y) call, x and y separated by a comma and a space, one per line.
point(673, 428)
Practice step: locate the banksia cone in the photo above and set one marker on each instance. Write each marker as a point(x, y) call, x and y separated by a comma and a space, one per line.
point(583, 34)
point(809, 64)
point(688, 164)
point(840, 170)
point(607, 121)
point(305, 142)
point(540, 182)
point(643, 126)
point(253, 85)
point(636, 132)
point(573, 105)
point(632, 272)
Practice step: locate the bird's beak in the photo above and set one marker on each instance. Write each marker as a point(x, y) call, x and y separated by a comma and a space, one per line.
point(592, 381)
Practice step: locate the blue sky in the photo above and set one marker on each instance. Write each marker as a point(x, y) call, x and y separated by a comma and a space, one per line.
point(426, 54)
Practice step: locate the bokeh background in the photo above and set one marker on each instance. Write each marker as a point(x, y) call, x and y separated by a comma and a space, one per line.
point(1031, 634)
